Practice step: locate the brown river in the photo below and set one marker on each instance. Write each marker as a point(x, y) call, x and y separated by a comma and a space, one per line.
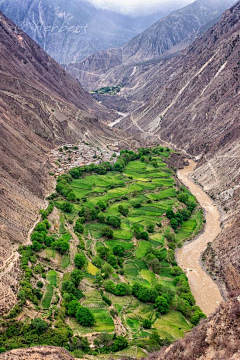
point(204, 289)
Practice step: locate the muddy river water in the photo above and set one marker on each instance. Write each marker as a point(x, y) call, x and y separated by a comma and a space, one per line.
point(204, 289)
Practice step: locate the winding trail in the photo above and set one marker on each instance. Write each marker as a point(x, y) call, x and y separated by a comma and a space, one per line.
point(204, 289)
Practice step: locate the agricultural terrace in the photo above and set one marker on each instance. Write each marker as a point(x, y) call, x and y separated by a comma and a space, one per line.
point(100, 276)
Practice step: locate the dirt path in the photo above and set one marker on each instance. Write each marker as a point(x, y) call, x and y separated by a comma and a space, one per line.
point(204, 289)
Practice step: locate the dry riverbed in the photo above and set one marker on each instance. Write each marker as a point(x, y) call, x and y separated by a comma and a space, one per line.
point(204, 289)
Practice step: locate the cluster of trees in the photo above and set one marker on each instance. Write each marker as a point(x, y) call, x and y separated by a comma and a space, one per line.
point(121, 289)
point(44, 213)
point(69, 287)
point(83, 315)
point(107, 260)
point(139, 232)
point(41, 240)
point(184, 300)
point(176, 219)
point(107, 343)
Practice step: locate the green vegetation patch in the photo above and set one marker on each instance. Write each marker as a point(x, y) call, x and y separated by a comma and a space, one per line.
point(46, 302)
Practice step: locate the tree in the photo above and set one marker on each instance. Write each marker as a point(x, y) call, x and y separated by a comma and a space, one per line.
point(119, 343)
point(67, 207)
point(107, 269)
point(84, 316)
point(118, 250)
point(78, 228)
point(185, 214)
point(155, 265)
point(114, 221)
point(61, 246)
point(36, 246)
point(73, 307)
point(147, 324)
point(170, 214)
point(174, 223)
point(71, 196)
point(150, 228)
point(144, 235)
point(76, 276)
point(197, 316)
point(103, 252)
point(102, 205)
point(107, 232)
point(110, 286)
point(123, 289)
point(171, 237)
point(162, 304)
point(39, 325)
point(112, 260)
point(79, 261)
point(182, 197)
point(123, 210)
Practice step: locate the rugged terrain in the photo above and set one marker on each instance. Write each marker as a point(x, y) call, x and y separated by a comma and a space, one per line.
point(166, 37)
point(40, 106)
point(69, 31)
point(192, 102)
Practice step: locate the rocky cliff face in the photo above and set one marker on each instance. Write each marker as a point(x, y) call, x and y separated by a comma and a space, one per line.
point(41, 106)
point(167, 36)
point(71, 30)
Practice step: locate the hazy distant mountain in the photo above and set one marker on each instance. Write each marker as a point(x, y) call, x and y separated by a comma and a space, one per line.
point(170, 34)
point(69, 30)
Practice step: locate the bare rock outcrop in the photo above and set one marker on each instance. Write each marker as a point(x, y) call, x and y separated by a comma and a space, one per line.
point(37, 353)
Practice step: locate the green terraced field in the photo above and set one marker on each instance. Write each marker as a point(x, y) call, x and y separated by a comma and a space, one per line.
point(120, 226)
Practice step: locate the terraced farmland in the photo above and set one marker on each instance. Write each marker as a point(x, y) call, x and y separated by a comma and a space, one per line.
point(104, 265)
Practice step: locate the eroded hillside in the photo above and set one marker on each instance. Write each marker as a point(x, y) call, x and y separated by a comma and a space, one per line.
point(40, 106)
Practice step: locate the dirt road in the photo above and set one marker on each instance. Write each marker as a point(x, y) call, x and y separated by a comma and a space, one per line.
point(204, 289)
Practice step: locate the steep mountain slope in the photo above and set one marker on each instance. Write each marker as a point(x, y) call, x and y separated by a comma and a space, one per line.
point(169, 35)
point(40, 106)
point(71, 30)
